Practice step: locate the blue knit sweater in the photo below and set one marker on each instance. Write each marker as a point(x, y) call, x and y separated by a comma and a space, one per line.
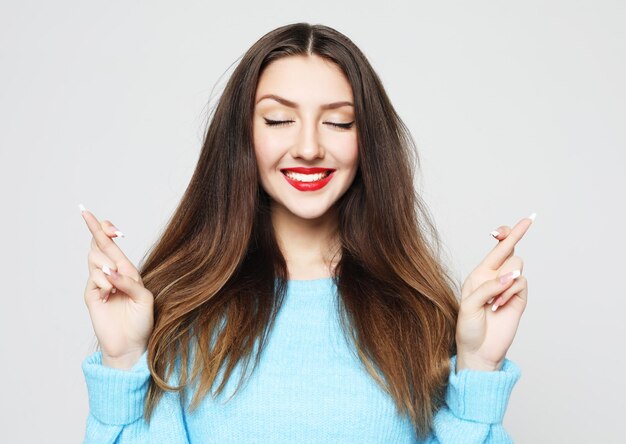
point(309, 387)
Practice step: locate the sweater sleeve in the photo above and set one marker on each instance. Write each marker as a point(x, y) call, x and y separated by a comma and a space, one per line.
point(476, 401)
point(116, 406)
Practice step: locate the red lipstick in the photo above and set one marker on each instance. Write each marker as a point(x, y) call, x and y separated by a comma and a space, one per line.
point(308, 186)
point(304, 170)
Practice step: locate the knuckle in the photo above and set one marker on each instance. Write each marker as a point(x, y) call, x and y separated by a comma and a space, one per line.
point(147, 292)
point(91, 257)
point(103, 284)
point(518, 260)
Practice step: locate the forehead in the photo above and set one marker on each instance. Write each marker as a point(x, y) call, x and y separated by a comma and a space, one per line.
point(304, 79)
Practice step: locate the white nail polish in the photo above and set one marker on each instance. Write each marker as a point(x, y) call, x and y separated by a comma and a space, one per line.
point(495, 233)
point(494, 307)
point(532, 216)
point(106, 270)
point(508, 277)
point(119, 233)
point(82, 208)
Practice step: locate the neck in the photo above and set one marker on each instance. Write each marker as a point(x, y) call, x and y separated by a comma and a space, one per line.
point(308, 245)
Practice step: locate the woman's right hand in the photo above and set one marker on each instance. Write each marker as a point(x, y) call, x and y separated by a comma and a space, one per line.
point(123, 320)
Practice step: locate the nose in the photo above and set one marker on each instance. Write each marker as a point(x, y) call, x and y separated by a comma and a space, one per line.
point(307, 145)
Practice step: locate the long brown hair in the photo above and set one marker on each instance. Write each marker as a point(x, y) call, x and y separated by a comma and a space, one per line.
point(218, 275)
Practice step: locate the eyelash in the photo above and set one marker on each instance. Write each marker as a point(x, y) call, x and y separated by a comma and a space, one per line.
point(269, 122)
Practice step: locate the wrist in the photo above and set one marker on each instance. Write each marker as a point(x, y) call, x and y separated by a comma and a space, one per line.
point(122, 362)
point(472, 363)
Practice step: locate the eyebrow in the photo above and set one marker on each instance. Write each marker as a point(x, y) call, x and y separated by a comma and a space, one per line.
point(291, 104)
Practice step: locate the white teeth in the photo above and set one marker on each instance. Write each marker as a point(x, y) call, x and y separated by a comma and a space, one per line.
point(305, 177)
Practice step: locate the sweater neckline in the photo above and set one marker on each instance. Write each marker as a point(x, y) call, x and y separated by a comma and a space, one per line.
point(307, 286)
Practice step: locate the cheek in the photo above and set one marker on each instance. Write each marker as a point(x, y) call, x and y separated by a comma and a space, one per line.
point(349, 153)
point(263, 135)
point(262, 149)
point(267, 152)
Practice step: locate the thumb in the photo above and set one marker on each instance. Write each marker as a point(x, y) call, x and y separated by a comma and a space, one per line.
point(490, 289)
point(137, 292)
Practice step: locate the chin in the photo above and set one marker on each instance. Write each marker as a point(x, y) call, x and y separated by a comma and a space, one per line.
point(314, 209)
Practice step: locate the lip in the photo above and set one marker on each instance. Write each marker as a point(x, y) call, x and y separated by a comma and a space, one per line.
point(305, 170)
point(309, 186)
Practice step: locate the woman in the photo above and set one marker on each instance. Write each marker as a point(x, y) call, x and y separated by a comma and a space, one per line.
point(301, 236)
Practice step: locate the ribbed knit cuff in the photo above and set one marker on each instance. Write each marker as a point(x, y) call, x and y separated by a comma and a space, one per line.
point(116, 396)
point(481, 396)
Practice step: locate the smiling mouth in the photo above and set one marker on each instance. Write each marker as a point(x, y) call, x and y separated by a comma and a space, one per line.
point(307, 177)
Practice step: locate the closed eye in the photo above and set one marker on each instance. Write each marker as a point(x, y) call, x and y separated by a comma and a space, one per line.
point(269, 122)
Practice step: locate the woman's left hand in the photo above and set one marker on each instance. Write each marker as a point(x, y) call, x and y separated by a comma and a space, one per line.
point(483, 335)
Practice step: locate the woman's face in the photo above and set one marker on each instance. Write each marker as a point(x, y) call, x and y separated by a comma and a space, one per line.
point(302, 87)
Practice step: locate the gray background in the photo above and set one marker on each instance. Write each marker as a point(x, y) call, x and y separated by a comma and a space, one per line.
point(516, 108)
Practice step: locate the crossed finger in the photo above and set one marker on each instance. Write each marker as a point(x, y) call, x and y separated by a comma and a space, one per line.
point(103, 242)
point(505, 248)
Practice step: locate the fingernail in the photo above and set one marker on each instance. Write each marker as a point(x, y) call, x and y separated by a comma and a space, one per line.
point(532, 216)
point(82, 208)
point(494, 307)
point(509, 276)
point(495, 233)
point(113, 273)
point(491, 300)
point(117, 232)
